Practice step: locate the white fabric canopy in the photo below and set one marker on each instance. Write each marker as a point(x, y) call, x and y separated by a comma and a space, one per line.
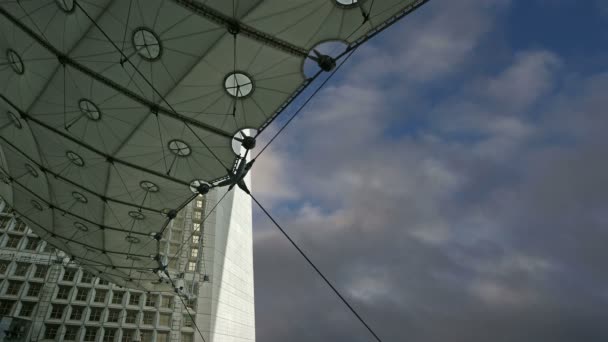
point(109, 110)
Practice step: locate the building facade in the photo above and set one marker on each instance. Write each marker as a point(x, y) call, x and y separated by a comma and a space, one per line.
point(46, 297)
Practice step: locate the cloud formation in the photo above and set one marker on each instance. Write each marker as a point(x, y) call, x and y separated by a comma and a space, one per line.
point(448, 198)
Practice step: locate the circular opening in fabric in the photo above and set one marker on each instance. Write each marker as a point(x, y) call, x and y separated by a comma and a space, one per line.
point(147, 43)
point(79, 197)
point(31, 170)
point(74, 158)
point(81, 227)
point(66, 5)
point(14, 60)
point(179, 148)
point(14, 119)
point(347, 3)
point(89, 109)
point(137, 215)
point(36, 205)
point(131, 239)
point(237, 139)
point(238, 84)
point(148, 186)
point(195, 184)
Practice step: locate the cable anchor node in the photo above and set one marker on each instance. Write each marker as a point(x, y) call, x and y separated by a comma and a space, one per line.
point(325, 62)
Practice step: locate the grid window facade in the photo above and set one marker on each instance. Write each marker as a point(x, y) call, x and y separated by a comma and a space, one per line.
point(6, 306)
point(41, 271)
point(146, 336)
point(151, 300)
point(13, 241)
point(77, 312)
point(70, 333)
point(21, 269)
point(81, 294)
point(166, 303)
point(127, 335)
point(149, 317)
point(20, 226)
point(13, 288)
point(57, 311)
point(100, 296)
point(134, 298)
point(113, 315)
point(117, 297)
point(3, 266)
point(109, 335)
point(34, 290)
point(86, 277)
point(90, 334)
point(164, 319)
point(63, 292)
point(26, 309)
point(95, 314)
point(131, 317)
point(51, 331)
point(162, 337)
point(69, 274)
point(32, 244)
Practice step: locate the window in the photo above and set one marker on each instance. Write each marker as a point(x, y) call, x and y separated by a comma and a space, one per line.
point(63, 292)
point(166, 303)
point(69, 274)
point(90, 334)
point(82, 294)
point(191, 266)
point(195, 239)
point(6, 306)
point(21, 269)
point(86, 278)
point(162, 337)
point(176, 235)
point(164, 319)
point(127, 335)
point(146, 336)
point(57, 311)
point(187, 321)
point(48, 248)
point(41, 271)
point(95, 315)
point(134, 299)
point(3, 266)
point(194, 253)
point(32, 243)
point(100, 296)
point(20, 226)
point(26, 309)
point(149, 317)
point(196, 226)
point(151, 300)
point(76, 314)
point(4, 220)
point(13, 288)
point(131, 317)
point(102, 282)
point(70, 333)
point(117, 297)
point(13, 241)
point(198, 215)
point(199, 203)
point(109, 335)
point(34, 290)
point(187, 338)
point(113, 315)
point(50, 331)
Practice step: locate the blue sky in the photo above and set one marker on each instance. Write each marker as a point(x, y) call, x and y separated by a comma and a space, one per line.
point(451, 180)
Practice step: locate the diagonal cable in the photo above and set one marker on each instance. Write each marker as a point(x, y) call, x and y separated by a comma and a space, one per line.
point(312, 264)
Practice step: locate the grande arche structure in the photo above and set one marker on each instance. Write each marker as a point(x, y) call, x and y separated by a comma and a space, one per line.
point(115, 114)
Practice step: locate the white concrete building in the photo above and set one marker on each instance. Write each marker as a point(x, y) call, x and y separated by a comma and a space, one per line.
point(60, 301)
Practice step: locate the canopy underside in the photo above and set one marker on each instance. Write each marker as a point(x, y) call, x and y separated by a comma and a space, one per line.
point(110, 110)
